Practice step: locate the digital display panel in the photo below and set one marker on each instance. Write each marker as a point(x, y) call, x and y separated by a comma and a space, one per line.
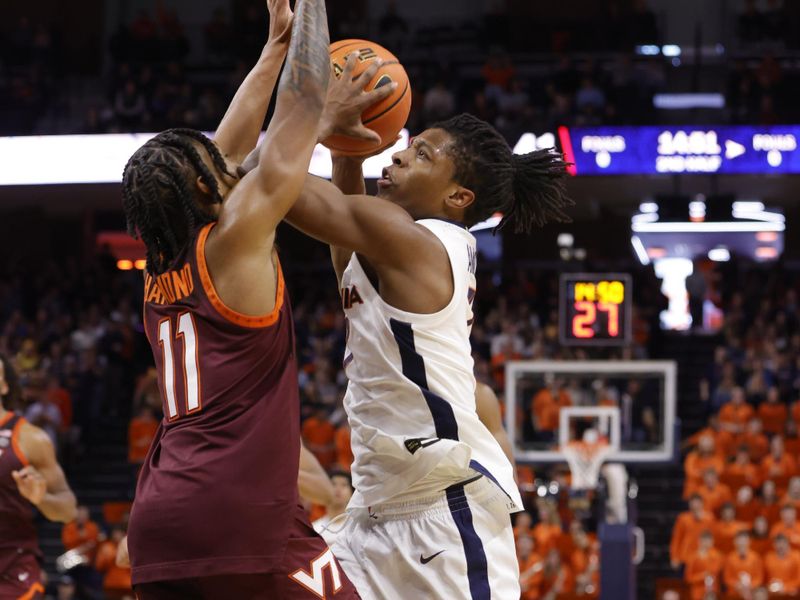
point(688, 149)
point(595, 309)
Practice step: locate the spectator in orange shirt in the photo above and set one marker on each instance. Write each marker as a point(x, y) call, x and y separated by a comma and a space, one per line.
point(772, 412)
point(791, 441)
point(744, 569)
point(788, 526)
point(548, 530)
point(523, 524)
point(116, 579)
point(778, 465)
point(318, 433)
point(686, 531)
point(714, 493)
point(793, 493)
point(704, 457)
point(584, 560)
point(795, 412)
point(546, 407)
point(141, 431)
point(742, 471)
point(81, 534)
point(770, 506)
point(734, 415)
point(756, 442)
point(760, 541)
point(344, 451)
point(703, 568)
point(723, 440)
point(747, 507)
point(782, 568)
point(726, 528)
point(557, 577)
point(531, 566)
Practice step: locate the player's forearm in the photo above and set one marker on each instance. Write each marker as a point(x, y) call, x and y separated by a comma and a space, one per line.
point(59, 506)
point(348, 176)
point(239, 129)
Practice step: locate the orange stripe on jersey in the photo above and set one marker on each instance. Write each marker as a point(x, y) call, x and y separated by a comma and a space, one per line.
point(216, 301)
point(15, 443)
point(6, 419)
point(32, 591)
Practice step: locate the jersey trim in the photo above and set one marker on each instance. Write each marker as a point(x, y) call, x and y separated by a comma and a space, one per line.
point(253, 322)
point(413, 365)
point(36, 588)
point(15, 443)
point(7, 418)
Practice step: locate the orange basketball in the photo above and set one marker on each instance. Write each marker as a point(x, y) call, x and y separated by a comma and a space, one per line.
point(387, 117)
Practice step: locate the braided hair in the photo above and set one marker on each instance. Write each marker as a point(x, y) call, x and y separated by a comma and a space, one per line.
point(159, 196)
point(13, 399)
point(526, 188)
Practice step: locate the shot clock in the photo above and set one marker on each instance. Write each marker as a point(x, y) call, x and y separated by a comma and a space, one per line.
point(595, 309)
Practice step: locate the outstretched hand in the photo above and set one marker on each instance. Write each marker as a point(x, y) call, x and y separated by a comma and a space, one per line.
point(347, 99)
point(280, 20)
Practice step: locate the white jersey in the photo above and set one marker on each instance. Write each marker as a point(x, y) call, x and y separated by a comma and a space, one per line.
point(411, 395)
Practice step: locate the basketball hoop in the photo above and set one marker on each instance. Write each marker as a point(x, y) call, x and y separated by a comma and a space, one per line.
point(585, 459)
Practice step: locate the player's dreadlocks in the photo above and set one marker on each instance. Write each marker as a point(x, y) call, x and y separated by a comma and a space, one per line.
point(527, 188)
point(13, 399)
point(159, 195)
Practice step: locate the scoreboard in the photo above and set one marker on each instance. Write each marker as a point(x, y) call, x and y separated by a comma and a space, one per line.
point(594, 309)
point(686, 149)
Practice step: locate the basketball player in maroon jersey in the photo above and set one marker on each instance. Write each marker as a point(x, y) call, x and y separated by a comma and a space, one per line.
point(216, 512)
point(29, 476)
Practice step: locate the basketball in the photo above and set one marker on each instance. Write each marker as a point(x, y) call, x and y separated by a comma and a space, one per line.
point(387, 117)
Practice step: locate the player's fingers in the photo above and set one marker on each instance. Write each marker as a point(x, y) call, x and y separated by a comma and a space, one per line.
point(370, 71)
point(378, 94)
point(23, 473)
point(364, 133)
point(350, 64)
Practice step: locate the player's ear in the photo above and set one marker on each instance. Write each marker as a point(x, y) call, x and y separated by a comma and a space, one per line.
point(201, 185)
point(460, 198)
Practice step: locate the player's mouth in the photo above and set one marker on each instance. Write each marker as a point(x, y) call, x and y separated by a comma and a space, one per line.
point(386, 179)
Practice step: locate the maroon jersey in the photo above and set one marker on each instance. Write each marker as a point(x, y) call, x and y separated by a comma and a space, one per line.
point(17, 532)
point(218, 490)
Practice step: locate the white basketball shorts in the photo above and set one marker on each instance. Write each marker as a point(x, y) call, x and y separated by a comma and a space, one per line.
point(456, 544)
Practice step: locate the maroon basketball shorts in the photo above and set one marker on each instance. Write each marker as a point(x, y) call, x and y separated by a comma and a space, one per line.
point(22, 579)
point(309, 572)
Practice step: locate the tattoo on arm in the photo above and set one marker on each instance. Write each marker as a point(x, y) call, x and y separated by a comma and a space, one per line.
point(308, 65)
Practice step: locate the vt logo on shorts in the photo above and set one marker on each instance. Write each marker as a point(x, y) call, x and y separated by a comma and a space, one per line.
point(426, 559)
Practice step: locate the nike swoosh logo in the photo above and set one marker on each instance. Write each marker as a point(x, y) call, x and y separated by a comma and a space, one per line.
point(426, 559)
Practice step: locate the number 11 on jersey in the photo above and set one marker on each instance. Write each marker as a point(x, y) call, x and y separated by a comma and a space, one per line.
point(191, 375)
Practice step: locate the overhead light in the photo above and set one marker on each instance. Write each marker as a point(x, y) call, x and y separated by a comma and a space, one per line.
point(565, 240)
point(641, 253)
point(707, 227)
point(125, 265)
point(766, 252)
point(648, 50)
point(648, 207)
point(671, 50)
point(719, 254)
point(140, 264)
point(766, 237)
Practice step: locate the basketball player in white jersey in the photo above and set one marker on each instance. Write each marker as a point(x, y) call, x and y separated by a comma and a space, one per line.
point(430, 514)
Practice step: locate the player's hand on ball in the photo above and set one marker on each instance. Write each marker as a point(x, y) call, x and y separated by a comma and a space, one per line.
point(123, 559)
point(31, 484)
point(280, 20)
point(347, 100)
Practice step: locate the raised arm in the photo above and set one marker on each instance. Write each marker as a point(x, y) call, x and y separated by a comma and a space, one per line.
point(407, 258)
point(239, 129)
point(258, 203)
point(42, 481)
